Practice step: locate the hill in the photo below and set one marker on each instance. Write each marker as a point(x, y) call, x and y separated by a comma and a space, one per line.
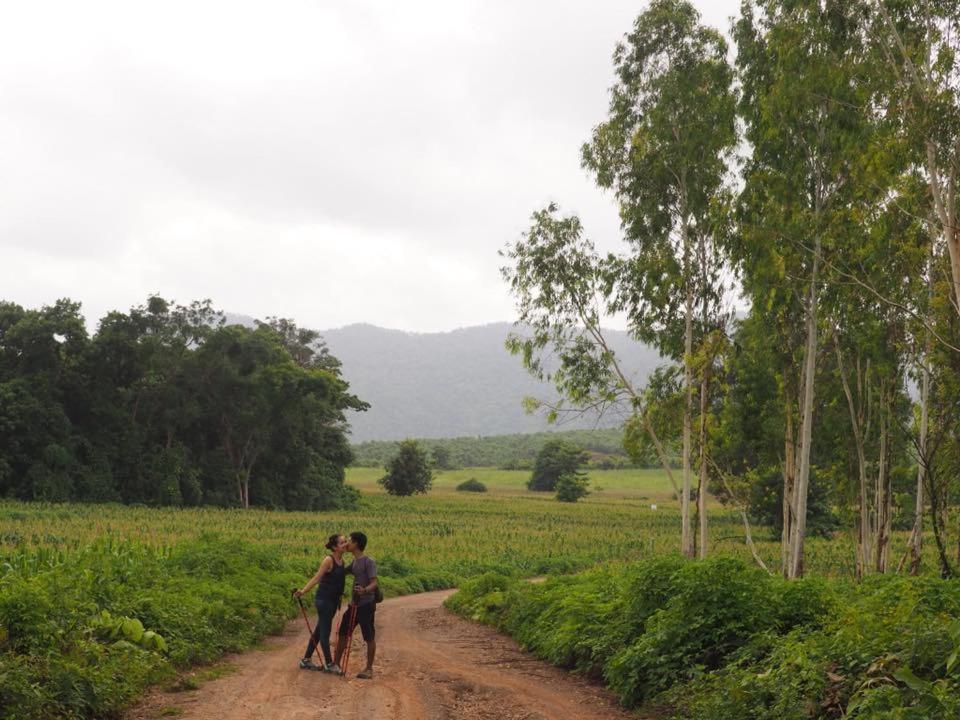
point(605, 447)
point(451, 384)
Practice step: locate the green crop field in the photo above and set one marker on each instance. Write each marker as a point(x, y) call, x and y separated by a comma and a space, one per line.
point(86, 589)
point(635, 484)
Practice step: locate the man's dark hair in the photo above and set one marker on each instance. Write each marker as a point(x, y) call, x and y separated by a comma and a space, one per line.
point(360, 539)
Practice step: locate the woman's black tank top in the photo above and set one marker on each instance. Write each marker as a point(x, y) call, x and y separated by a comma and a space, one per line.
point(331, 585)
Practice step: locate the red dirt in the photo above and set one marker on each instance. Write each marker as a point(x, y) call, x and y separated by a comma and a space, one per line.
point(431, 665)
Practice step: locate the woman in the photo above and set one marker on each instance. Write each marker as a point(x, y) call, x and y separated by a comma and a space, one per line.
point(329, 581)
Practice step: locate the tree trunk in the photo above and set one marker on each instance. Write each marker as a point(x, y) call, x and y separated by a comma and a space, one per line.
point(856, 424)
point(916, 545)
point(687, 539)
point(935, 520)
point(883, 493)
point(702, 488)
point(789, 487)
point(943, 190)
point(806, 429)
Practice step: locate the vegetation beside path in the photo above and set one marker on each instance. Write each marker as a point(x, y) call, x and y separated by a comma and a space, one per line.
point(718, 639)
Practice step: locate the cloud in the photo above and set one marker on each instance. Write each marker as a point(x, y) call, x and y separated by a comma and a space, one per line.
point(333, 161)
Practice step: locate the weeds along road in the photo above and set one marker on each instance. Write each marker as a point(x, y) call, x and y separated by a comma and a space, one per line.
point(431, 665)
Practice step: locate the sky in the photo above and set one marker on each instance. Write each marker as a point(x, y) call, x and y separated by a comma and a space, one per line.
point(333, 162)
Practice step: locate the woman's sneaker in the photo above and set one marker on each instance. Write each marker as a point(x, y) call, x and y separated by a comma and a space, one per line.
point(308, 664)
point(333, 669)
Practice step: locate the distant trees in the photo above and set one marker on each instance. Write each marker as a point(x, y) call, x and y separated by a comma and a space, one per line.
point(410, 471)
point(441, 457)
point(508, 452)
point(167, 405)
point(556, 459)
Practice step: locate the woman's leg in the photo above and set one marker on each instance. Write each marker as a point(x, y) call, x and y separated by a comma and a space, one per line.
point(313, 642)
point(325, 613)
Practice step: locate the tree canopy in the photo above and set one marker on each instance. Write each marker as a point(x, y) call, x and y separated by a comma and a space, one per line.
point(168, 405)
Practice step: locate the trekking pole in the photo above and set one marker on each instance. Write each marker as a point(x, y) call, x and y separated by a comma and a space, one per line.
point(303, 611)
point(351, 624)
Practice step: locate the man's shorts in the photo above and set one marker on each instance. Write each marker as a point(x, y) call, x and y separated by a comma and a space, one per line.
point(365, 614)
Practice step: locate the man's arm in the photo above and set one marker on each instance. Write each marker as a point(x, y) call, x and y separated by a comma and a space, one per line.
point(372, 585)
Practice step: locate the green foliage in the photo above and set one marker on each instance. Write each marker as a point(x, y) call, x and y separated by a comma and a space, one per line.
point(556, 459)
point(167, 405)
point(409, 472)
point(510, 452)
point(472, 485)
point(718, 639)
point(572, 486)
point(82, 633)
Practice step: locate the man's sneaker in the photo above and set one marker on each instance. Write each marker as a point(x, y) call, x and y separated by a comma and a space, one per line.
point(308, 664)
point(333, 669)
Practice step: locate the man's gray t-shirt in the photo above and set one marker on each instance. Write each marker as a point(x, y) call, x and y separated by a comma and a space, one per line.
point(364, 570)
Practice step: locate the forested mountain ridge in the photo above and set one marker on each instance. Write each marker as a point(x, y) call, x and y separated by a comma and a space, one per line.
point(450, 384)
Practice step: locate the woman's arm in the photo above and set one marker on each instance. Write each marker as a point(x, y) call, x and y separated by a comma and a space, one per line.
point(321, 571)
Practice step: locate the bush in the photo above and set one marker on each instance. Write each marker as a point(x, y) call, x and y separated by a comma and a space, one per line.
point(653, 626)
point(82, 634)
point(572, 486)
point(718, 639)
point(472, 485)
point(557, 458)
point(409, 471)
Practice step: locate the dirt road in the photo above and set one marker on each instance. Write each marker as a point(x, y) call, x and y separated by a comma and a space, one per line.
point(432, 665)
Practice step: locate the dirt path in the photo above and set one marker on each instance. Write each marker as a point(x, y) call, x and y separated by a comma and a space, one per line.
point(432, 665)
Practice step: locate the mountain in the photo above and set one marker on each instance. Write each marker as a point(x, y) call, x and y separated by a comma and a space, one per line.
point(451, 384)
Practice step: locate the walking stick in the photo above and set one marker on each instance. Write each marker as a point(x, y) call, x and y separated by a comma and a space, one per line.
point(348, 638)
point(303, 611)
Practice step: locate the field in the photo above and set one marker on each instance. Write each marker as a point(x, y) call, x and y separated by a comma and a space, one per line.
point(434, 539)
point(635, 484)
point(81, 584)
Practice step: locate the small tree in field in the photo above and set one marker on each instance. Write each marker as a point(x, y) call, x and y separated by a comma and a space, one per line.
point(557, 458)
point(409, 471)
point(572, 486)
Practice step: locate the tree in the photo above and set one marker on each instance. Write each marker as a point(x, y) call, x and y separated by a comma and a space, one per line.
point(572, 486)
point(441, 457)
point(556, 459)
point(663, 151)
point(165, 405)
point(409, 471)
point(919, 44)
point(804, 105)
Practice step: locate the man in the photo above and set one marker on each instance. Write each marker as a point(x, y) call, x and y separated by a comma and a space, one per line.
point(364, 571)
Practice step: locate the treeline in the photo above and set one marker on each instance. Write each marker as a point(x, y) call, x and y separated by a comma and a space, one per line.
point(812, 171)
point(510, 452)
point(168, 405)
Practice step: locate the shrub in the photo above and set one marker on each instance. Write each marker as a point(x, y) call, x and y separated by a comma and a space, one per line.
point(472, 485)
point(670, 628)
point(572, 486)
point(409, 471)
point(556, 458)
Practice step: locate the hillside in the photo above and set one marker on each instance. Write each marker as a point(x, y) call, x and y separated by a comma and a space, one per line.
point(503, 451)
point(450, 384)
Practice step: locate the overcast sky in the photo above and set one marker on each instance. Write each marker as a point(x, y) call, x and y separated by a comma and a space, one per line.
point(331, 161)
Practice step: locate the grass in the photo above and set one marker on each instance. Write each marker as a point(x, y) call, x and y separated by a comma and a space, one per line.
point(635, 484)
point(196, 575)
